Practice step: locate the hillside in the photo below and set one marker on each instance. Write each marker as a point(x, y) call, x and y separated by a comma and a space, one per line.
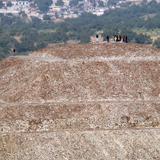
point(140, 23)
point(81, 102)
point(64, 9)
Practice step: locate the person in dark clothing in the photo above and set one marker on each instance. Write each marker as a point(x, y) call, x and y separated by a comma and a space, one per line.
point(107, 39)
point(13, 52)
point(120, 37)
point(123, 38)
point(117, 38)
point(126, 39)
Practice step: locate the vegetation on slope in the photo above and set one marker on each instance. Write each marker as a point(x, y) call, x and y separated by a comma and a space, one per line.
point(29, 34)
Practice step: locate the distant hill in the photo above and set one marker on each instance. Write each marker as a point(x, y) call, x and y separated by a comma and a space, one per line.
point(141, 24)
point(61, 8)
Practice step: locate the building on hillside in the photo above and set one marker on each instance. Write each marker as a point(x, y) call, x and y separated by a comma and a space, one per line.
point(97, 38)
point(99, 12)
point(16, 7)
point(66, 2)
point(21, 4)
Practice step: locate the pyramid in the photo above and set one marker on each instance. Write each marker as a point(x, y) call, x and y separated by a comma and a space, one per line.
point(81, 102)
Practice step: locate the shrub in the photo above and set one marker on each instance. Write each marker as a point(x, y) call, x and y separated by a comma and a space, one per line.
point(157, 43)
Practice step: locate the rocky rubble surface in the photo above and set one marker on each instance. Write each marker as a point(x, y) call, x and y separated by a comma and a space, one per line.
point(81, 102)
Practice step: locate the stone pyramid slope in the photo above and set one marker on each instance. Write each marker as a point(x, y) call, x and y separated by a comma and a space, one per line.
point(81, 102)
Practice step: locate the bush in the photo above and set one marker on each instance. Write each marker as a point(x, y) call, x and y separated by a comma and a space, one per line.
point(43, 5)
point(1, 4)
point(157, 43)
point(143, 39)
point(9, 4)
point(59, 3)
point(46, 17)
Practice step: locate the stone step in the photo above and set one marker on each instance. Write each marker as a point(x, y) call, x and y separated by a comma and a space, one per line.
point(79, 116)
point(31, 81)
point(82, 145)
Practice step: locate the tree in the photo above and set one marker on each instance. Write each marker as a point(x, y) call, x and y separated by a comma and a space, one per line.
point(59, 3)
point(1, 4)
point(43, 5)
point(74, 3)
point(143, 39)
point(9, 4)
point(46, 17)
point(112, 3)
point(101, 4)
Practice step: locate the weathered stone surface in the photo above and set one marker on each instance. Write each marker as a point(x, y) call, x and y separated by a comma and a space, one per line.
point(80, 116)
point(81, 102)
point(86, 145)
point(59, 81)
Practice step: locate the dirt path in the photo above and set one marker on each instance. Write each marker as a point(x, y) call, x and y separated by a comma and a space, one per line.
point(93, 59)
point(86, 101)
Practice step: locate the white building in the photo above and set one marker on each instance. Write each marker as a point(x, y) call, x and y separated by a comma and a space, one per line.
point(99, 11)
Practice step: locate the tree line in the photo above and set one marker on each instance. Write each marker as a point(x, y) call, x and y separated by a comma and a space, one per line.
point(29, 34)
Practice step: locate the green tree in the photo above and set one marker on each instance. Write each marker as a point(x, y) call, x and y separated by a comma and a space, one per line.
point(143, 39)
point(112, 2)
point(43, 5)
point(46, 17)
point(9, 4)
point(74, 2)
point(101, 4)
point(1, 4)
point(60, 3)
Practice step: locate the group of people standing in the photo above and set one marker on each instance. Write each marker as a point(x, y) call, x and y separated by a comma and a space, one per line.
point(118, 38)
